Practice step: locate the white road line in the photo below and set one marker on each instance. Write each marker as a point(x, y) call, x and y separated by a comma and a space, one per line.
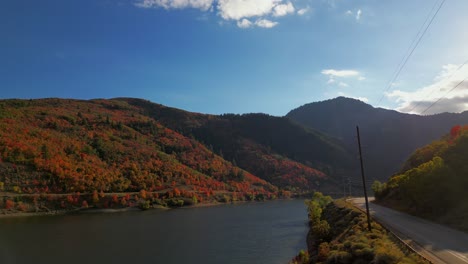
point(458, 255)
point(453, 256)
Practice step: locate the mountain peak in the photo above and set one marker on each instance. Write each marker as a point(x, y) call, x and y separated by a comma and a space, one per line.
point(344, 99)
point(347, 99)
point(335, 105)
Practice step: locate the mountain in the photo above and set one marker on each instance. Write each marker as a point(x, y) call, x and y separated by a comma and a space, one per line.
point(273, 148)
point(64, 152)
point(432, 183)
point(388, 137)
point(58, 146)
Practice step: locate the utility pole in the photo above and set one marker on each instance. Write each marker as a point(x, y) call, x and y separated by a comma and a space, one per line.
point(349, 187)
point(344, 188)
point(363, 180)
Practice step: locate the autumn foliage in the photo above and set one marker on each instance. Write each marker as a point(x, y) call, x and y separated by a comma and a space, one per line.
point(82, 150)
point(9, 204)
point(433, 182)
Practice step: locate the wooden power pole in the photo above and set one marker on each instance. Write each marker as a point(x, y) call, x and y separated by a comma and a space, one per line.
point(364, 180)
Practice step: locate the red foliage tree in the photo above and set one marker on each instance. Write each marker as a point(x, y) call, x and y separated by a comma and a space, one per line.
point(115, 199)
point(455, 131)
point(95, 197)
point(143, 194)
point(9, 204)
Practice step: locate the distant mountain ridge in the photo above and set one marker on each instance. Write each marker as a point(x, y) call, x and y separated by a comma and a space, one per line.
point(388, 136)
point(122, 145)
point(128, 145)
point(262, 138)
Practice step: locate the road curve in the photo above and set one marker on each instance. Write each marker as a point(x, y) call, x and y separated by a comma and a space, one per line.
point(439, 244)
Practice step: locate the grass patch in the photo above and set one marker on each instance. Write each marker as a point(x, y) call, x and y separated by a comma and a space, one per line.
point(349, 241)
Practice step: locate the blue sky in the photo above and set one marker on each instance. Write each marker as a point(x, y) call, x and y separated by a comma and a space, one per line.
point(236, 56)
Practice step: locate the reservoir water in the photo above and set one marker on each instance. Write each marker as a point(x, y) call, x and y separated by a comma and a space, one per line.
point(258, 232)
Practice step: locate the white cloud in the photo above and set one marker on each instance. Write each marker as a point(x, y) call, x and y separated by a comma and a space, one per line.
point(340, 73)
point(244, 23)
point(242, 12)
point(176, 4)
point(265, 23)
point(303, 11)
point(363, 99)
point(283, 9)
point(343, 84)
point(238, 9)
point(418, 100)
point(358, 14)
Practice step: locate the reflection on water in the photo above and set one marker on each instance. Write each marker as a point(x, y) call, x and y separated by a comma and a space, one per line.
point(270, 232)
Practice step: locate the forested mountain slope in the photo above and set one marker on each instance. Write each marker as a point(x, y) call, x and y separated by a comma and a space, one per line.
point(80, 148)
point(54, 146)
point(433, 181)
point(388, 136)
point(274, 148)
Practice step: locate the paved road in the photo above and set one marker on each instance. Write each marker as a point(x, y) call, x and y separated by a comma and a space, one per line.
point(437, 243)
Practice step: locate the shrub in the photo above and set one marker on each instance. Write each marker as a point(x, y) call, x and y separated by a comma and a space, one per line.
point(22, 207)
point(378, 189)
point(362, 251)
point(225, 198)
point(123, 201)
point(358, 245)
point(303, 256)
point(16, 189)
point(144, 205)
point(387, 254)
point(339, 257)
point(95, 197)
point(260, 197)
point(315, 211)
point(9, 204)
point(321, 229)
point(323, 251)
point(143, 194)
point(249, 197)
point(175, 202)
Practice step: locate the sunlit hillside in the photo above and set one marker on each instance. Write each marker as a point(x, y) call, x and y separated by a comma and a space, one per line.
point(433, 181)
point(64, 152)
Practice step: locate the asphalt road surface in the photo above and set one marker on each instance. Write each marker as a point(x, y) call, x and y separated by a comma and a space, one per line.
point(439, 244)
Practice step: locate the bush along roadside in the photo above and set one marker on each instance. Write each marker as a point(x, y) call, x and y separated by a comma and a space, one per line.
point(338, 234)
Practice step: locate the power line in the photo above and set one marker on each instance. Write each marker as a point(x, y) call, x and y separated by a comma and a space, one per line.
point(455, 87)
point(405, 59)
point(409, 47)
point(458, 69)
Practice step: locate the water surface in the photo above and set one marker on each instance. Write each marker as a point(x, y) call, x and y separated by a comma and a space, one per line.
point(267, 232)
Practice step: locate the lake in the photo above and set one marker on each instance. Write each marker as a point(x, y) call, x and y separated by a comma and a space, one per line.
point(257, 232)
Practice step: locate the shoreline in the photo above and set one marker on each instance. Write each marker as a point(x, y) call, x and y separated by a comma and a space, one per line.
point(78, 211)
